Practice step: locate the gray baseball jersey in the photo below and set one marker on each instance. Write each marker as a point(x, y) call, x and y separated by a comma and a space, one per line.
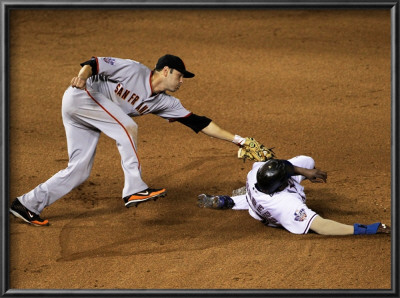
point(127, 83)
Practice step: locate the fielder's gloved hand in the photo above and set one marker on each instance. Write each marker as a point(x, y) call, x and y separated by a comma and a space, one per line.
point(253, 150)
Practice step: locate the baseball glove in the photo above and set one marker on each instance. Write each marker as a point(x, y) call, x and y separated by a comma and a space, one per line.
point(253, 150)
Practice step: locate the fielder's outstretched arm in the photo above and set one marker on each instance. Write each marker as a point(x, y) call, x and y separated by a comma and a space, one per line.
point(213, 130)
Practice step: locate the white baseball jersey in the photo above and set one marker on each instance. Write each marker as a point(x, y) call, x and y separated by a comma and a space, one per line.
point(286, 208)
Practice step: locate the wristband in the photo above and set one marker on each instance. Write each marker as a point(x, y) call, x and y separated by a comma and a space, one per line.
point(366, 229)
point(238, 140)
point(225, 202)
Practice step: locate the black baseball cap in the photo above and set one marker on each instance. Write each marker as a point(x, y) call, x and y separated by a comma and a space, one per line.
point(174, 62)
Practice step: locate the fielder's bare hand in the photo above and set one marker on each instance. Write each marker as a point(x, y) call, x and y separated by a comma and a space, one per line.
point(78, 82)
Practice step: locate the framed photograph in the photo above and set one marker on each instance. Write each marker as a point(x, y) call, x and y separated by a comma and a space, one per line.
point(315, 79)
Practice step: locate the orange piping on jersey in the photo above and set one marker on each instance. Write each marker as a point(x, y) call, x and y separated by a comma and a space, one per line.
point(130, 139)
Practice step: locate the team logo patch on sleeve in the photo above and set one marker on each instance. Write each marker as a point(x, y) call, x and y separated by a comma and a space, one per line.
point(109, 60)
point(300, 215)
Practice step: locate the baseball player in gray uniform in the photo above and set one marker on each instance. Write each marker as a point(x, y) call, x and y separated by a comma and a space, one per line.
point(103, 97)
point(274, 195)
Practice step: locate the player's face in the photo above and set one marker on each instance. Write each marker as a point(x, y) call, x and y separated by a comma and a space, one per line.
point(174, 80)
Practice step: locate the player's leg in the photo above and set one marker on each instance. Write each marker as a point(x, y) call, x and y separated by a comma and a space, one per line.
point(81, 150)
point(101, 113)
point(82, 141)
point(116, 124)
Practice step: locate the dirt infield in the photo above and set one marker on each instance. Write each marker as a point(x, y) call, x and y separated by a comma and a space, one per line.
point(311, 82)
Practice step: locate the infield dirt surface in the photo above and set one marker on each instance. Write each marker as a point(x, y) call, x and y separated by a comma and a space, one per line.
point(307, 82)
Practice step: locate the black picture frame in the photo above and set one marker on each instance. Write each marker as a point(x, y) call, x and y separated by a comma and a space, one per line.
point(7, 6)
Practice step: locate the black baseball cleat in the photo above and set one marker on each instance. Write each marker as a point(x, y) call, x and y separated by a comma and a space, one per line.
point(20, 211)
point(144, 196)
